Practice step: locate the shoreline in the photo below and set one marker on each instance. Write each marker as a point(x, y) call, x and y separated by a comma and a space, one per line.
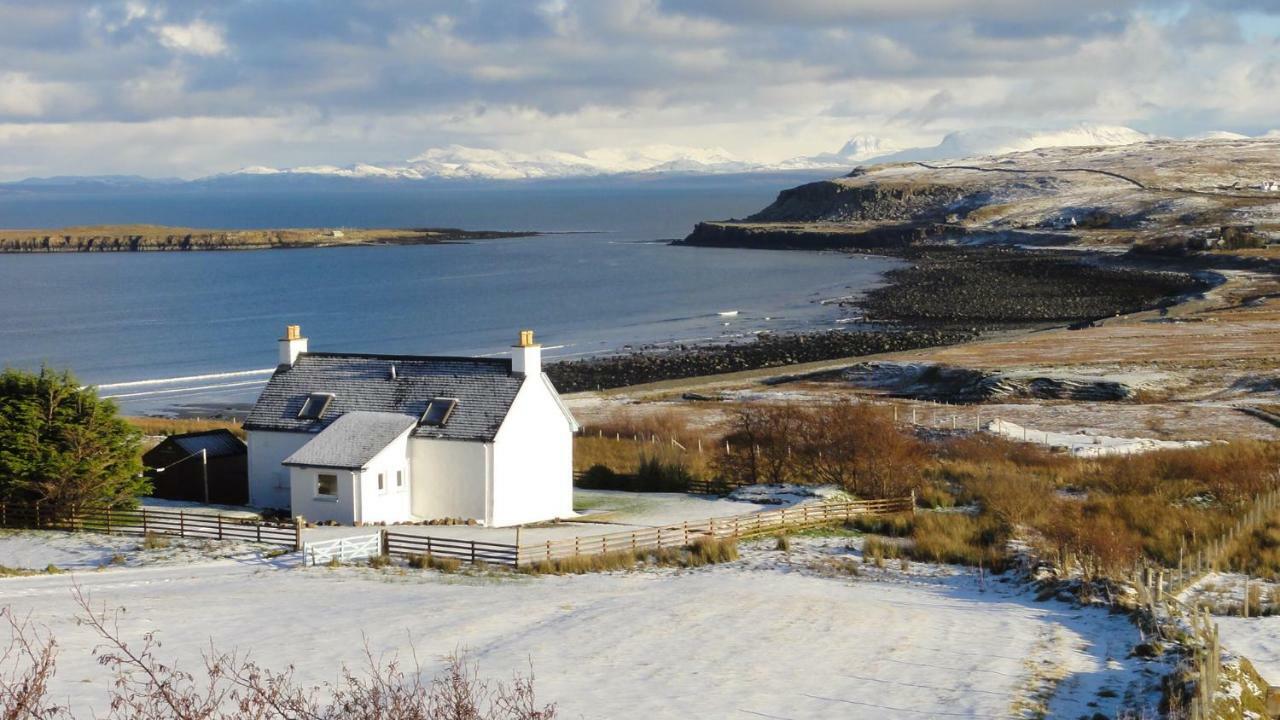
point(948, 296)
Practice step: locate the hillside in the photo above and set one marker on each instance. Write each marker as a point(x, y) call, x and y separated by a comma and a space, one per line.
point(1164, 194)
point(137, 238)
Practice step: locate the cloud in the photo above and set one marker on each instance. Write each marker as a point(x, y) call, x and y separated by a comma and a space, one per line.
point(197, 38)
point(338, 81)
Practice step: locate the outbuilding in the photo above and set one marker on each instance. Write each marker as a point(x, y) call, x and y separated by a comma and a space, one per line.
point(210, 466)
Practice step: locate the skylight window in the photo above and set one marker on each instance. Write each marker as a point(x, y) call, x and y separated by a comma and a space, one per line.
point(315, 405)
point(438, 412)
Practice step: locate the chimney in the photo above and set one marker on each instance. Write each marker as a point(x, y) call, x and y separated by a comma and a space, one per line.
point(291, 345)
point(526, 358)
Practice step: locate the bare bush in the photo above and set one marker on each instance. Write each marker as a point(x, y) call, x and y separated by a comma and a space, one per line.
point(27, 665)
point(853, 445)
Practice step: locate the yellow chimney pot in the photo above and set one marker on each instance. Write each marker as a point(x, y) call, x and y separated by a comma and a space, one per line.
point(526, 338)
point(293, 332)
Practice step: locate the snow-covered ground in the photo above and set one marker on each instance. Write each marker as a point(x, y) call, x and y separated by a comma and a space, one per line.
point(1086, 443)
point(1257, 639)
point(776, 634)
point(39, 549)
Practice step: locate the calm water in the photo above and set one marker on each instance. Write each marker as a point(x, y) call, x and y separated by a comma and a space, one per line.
point(159, 331)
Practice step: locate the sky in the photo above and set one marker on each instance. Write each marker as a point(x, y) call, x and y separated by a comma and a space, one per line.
point(175, 88)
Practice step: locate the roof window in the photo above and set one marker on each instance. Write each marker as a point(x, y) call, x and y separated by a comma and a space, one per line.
point(315, 406)
point(438, 411)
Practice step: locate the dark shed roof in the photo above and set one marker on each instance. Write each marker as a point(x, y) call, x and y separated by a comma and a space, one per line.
point(218, 443)
point(484, 388)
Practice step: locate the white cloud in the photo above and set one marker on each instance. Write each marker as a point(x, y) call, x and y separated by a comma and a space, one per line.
point(310, 83)
point(197, 38)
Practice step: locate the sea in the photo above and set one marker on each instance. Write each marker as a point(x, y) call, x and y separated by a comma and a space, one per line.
point(194, 333)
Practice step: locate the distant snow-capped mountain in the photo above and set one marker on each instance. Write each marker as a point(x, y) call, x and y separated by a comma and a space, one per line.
point(459, 162)
point(999, 140)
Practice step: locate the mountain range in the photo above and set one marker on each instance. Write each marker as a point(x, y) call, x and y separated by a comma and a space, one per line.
point(461, 163)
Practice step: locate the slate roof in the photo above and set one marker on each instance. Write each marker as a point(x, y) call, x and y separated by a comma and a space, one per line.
point(352, 440)
point(218, 443)
point(484, 387)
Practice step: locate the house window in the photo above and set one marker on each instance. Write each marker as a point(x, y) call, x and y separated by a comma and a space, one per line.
point(314, 406)
point(438, 411)
point(399, 478)
point(327, 486)
point(382, 482)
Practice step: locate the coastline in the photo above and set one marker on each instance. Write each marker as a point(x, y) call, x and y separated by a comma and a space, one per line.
point(948, 295)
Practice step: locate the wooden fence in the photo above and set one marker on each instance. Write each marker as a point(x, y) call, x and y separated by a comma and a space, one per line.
point(737, 526)
point(161, 522)
point(669, 536)
point(472, 551)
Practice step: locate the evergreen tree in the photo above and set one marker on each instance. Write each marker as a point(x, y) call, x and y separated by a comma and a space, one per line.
point(63, 447)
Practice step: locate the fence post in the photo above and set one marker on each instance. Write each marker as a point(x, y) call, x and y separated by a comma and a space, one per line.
point(384, 545)
point(144, 521)
point(473, 552)
point(182, 525)
point(108, 520)
point(219, 516)
point(298, 522)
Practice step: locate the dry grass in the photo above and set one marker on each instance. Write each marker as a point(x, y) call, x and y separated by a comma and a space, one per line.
point(177, 426)
point(424, 561)
point(1257, 553)
point(704, 551)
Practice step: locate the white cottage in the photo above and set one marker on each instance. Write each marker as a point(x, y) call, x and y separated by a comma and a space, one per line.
point(389, 438)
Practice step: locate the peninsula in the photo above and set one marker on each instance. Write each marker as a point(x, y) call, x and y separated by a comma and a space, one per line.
point(160, 238)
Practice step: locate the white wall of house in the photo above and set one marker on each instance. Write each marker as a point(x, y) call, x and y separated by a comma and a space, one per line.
point(269, 484)
point(390, 504)
point(532, 459)
point(450, 478)
point(341, 508)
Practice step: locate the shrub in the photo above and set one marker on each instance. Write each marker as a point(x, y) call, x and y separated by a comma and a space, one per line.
point(154, 541)
point(783, 544)
point(599, 477)
point(380, 561)
point(656, 475)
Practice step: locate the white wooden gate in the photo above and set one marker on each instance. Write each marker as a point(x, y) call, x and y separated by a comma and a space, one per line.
point(343, 549)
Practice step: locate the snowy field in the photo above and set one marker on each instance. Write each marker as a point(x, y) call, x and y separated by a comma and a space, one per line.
point(1257, 639)
point(39, 549)
point(774, 635)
